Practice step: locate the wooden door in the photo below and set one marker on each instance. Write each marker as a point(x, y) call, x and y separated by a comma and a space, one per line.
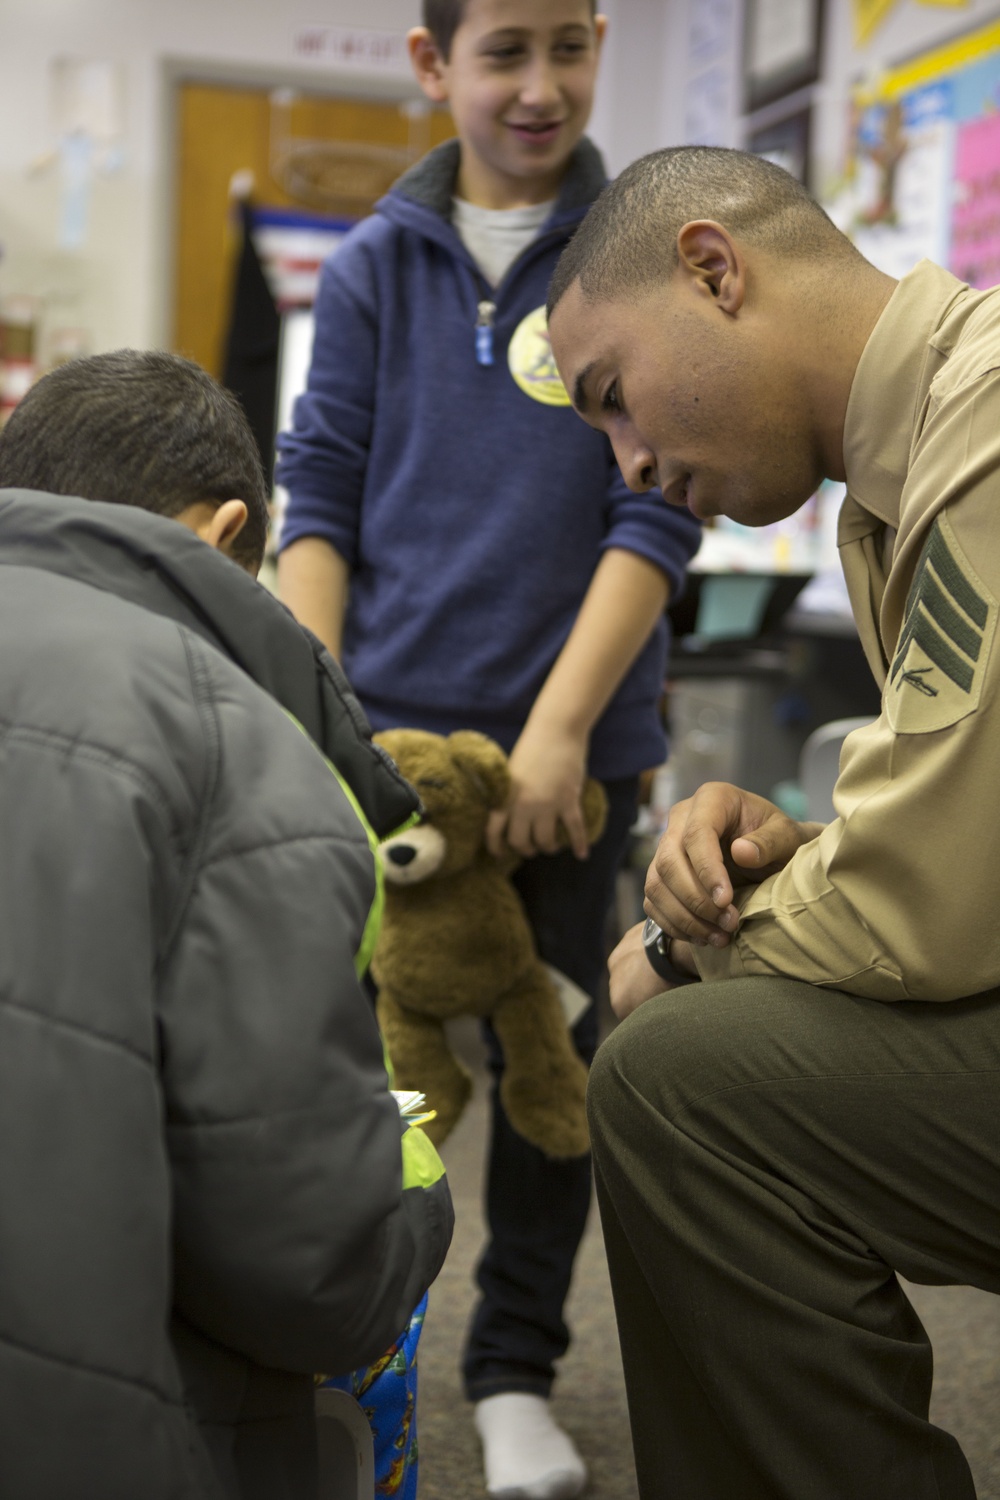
point(338, 155)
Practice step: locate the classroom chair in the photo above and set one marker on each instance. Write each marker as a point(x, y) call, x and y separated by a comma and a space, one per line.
point(346, 1453)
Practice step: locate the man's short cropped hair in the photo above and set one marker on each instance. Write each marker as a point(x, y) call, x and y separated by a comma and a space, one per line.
point(628, 240)
point(443, 18)
point(140, 428)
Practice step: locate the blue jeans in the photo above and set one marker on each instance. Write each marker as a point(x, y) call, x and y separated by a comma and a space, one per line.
point(536, 1208)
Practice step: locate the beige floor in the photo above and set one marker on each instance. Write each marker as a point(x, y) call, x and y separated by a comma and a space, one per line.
point(964, 1326)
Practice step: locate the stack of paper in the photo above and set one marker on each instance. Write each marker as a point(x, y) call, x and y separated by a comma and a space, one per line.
point(412, 1106)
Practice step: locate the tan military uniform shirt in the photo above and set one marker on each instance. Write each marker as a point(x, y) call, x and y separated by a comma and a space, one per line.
point(899, 898)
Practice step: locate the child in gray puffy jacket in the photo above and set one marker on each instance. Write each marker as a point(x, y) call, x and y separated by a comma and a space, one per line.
point(206, 1189)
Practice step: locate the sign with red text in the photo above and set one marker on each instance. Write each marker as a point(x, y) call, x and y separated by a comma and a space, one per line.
point(346, 47)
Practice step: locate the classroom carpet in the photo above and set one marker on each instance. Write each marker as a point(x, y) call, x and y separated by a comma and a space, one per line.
point(589, 1397)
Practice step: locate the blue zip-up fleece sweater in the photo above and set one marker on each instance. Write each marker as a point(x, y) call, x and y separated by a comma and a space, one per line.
point(471, 514)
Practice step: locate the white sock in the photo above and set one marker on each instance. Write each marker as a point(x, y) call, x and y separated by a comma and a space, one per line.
point(525, 1455)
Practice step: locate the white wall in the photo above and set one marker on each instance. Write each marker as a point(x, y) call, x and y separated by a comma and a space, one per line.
point(640, 97)
point(118, 284)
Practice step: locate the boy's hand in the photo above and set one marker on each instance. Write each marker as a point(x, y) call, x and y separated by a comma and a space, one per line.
point(719, 833)
point(547, 774)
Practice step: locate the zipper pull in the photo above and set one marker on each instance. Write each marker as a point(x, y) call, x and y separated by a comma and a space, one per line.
point(484, 332)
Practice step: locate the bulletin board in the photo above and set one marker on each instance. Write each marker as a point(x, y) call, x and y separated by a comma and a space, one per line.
point(922, 176)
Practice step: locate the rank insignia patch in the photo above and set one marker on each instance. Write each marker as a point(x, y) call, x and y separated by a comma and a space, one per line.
point(937, 671)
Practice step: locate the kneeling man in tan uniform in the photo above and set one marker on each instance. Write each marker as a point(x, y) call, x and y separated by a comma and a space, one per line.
point(820, 1112)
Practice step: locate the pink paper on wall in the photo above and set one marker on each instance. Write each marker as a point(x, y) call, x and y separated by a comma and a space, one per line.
point(975, 237)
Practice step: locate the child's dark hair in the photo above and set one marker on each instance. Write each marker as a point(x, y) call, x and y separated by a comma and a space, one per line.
point(443, 18)
point(138, 428)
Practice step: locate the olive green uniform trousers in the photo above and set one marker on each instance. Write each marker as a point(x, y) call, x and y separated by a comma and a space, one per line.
point(768, 1155)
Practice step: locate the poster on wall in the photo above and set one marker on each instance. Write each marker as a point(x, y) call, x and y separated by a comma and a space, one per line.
point(868, 15)
point(713, 27)
point(922, 176)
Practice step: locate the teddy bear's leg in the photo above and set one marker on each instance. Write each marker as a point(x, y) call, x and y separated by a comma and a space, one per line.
point(544, 1083)
point(422, 1059)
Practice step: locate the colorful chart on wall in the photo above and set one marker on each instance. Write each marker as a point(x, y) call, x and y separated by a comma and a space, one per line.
point(923, 164)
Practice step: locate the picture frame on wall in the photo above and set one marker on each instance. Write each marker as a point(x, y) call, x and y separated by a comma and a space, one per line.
point(785, 141)
point(782, 43)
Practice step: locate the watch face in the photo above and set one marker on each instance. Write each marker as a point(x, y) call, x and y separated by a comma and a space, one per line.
point(650, 932)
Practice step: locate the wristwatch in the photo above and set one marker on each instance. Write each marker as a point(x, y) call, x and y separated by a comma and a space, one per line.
point(657, 946)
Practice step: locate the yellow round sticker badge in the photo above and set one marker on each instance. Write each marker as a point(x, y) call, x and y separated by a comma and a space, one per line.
point(531, 362)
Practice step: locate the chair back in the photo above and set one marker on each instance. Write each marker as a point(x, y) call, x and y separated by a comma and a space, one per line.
point(819, 766)
point(346, 1451)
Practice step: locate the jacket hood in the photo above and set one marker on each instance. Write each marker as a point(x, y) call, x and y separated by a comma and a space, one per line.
point(429, 188)
point(161, 566)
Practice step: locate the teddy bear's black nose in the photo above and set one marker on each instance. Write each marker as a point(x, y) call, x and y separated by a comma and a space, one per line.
point(402, 854)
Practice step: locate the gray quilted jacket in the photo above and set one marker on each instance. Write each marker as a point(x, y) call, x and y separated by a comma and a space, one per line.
point(206, 1192)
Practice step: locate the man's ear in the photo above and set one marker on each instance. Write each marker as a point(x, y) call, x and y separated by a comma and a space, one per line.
point(711, 258)
point(427, 63)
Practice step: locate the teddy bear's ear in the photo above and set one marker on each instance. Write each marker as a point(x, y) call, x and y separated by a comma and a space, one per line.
point(483, 762)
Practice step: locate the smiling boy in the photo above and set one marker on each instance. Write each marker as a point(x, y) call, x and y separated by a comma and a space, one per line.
point(471, 551)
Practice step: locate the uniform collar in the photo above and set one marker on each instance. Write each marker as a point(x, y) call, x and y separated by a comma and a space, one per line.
point(907, 347)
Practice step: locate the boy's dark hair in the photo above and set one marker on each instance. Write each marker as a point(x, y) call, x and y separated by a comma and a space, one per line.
point(628, 241)
point(138, 428)
point(443, 18)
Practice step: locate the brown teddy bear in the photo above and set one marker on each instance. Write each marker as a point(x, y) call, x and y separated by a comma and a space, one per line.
point(456, 941)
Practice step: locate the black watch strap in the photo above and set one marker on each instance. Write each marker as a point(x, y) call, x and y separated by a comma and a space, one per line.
point(657, 946)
